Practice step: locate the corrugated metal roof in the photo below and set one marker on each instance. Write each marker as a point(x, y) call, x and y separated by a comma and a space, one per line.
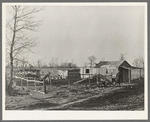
point(110, 63)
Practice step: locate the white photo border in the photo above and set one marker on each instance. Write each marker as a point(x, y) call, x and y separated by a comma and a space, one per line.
point(76, 115)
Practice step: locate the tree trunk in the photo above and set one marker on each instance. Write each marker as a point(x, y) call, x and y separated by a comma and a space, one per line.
point(11, 65)
point(11, 56)
point(11, 76)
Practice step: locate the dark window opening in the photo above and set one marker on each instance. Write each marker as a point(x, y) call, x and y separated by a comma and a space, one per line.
point(87, 70)
point(106, 71)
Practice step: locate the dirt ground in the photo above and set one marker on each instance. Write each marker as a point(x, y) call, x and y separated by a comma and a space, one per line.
point(126, 97)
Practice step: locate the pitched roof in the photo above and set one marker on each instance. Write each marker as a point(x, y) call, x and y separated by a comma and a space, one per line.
point(110, 63)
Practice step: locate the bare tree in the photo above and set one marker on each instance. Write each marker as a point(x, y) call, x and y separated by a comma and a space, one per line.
point(50, 65)
point(92, 60)
point(85, 64)
point(122, 57)
point(56, 62)
point(66, 64)
point(44, 64)
point(136, 62)
point(139, 62)
point(16, 63)
point(20, 21)
point(39, 63)
point(142, 61)
point(24, 62)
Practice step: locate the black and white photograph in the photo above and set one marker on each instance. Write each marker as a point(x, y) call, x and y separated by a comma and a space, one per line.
point(67, 61)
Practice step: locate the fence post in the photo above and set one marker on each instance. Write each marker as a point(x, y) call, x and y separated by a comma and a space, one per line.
point(21, 82)
point(97, 78)
point(129, 73)
point(50, 84)
point(73, 79)
point(140, 73)
point(83, 72)
point(70, 83)
point(14, 81)
point(35, 83)
point(27, 82)
point(50, 80)
point(89, 80)
point(44, 86)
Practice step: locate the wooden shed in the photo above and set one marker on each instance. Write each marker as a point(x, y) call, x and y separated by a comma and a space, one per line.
point(74, 74)
point(113, 67)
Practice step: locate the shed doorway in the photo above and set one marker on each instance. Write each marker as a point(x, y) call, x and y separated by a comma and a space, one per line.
point(125, 74)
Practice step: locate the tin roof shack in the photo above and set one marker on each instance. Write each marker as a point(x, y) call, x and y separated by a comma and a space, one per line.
point(87, 72)
point(113, 67)
point(74, 74)
point(137, 72)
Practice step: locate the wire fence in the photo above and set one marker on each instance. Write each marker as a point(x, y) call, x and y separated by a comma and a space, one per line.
point(29, 83)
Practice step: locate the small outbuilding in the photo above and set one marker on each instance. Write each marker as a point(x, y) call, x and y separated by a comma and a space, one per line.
point(87, 72)
point(74, 74)
point(113, 67)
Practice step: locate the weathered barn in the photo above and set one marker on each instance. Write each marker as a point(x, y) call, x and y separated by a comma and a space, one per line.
point(74, 74)
point(112, 68)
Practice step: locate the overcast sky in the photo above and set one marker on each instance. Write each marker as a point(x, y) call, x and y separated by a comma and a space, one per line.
point(76, 32)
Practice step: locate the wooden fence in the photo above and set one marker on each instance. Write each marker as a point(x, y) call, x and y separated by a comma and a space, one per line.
point(29, 83)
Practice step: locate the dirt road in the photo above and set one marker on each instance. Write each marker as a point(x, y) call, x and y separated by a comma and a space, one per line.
point(126, 97)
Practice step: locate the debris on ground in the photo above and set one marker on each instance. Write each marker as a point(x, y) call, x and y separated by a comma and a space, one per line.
point(110, 98)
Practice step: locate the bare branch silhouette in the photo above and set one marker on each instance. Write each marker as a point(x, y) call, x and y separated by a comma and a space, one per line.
point(18, 36)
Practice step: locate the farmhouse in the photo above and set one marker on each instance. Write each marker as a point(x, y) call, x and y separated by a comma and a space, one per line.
point(112, 68)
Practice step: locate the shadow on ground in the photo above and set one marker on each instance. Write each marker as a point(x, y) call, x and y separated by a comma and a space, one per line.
point(128, 98)
point(40, 106)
